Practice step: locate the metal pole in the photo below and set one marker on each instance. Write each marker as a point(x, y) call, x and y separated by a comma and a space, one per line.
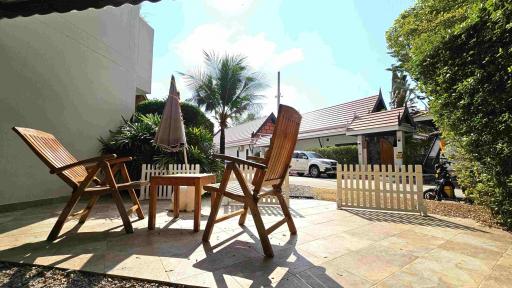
point(278, 90)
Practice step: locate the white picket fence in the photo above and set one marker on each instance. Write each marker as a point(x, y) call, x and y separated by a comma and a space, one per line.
point(164, 192)
point(249, 172)
point(386, 187)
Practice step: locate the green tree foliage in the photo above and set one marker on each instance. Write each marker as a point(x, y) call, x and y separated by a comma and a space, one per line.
point(460, 53)
point(226, 88)
point(342, 154)
point(245, 118)
point(192, 115)
point(402, 90)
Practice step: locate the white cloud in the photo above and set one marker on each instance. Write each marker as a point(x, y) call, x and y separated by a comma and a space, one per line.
point(261, 53)
point(291, 94)
point(230, 7)
point(288, 57)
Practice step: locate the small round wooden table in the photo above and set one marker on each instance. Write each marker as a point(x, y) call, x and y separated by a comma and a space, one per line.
point(177, 180)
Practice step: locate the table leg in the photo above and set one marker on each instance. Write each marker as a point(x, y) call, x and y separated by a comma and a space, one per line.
point(176, 201)
point(197, 207)
point(152, 207)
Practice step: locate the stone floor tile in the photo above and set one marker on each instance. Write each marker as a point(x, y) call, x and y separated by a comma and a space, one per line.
point(487, 257)
point(374, 263)
point(208, 279)
point(413, 242)
point(325, 248)
point(332, 277)
point(442, 268)
point(132, 265)
point(483, 240)
point(501, 275)
point(376, 231)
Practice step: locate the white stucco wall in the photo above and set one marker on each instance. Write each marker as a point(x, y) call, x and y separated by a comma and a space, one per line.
point(305, 144)
point(73, 75)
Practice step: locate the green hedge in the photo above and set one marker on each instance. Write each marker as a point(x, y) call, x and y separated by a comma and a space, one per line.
point(192, 115)
point(342, 154)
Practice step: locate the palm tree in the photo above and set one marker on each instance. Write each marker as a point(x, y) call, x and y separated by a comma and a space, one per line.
point(402, 92)
point(227, 88)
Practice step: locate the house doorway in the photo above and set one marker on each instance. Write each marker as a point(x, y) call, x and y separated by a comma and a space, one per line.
point(386, 151)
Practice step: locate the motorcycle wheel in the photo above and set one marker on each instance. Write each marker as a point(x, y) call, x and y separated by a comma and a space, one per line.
point(430, 194)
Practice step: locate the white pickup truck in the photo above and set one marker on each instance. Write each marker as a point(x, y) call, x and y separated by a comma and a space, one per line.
point(312, 163)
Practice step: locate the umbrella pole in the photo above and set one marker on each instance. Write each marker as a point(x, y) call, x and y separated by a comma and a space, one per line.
point(186, 160)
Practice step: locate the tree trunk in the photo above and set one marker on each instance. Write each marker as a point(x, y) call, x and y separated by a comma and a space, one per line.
point(222, 149)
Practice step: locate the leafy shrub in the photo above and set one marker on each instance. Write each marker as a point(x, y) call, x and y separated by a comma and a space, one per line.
point(151, 106)
point(459, 52)
point(200, 151)
point(192, 115)
point(342, 154)
point(135, 138)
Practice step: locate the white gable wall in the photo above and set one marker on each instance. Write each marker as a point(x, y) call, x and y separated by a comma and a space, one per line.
point(73, 75)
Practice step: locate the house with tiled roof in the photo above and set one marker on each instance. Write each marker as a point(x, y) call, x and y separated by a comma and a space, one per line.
point(241, 140)
point(327, 126)
point(365, 122)
point(381, 135)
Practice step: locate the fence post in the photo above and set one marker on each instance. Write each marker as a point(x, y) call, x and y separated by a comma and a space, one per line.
point(419, 185)
point(338, 186)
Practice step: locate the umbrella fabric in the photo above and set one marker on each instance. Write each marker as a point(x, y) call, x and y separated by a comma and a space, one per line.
point(171, 133)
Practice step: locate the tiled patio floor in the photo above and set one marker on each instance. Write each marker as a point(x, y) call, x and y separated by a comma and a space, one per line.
point(333, 248)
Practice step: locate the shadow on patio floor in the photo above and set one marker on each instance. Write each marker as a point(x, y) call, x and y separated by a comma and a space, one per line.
point(408, 218)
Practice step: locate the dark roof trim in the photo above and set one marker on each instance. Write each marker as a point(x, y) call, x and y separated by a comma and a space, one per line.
point(270, 117)
point(25, 8)
point(379, 104)
point(406, 116)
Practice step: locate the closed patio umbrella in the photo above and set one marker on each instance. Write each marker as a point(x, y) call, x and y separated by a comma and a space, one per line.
point(171, 133)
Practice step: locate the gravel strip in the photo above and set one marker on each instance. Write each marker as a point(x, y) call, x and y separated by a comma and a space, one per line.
point(478, 213)
point(301, 191)
point(24, 275)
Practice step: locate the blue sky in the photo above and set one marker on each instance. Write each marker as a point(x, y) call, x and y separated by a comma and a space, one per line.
point(328, 52)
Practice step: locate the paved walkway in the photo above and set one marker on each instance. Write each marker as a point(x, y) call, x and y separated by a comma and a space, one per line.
point(333, 248)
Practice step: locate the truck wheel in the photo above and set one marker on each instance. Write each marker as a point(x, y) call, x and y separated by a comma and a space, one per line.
point(314, 171)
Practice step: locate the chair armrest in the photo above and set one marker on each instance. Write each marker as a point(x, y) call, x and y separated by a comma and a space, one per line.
point(239, 161)
point(94, 160)
point(120, 160)
point(257, 159)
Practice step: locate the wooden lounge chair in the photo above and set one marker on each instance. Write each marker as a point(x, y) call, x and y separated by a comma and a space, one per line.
point(268, 180)
point(81, 176)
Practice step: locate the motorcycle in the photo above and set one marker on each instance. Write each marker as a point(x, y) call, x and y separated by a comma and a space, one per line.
point(445, 187)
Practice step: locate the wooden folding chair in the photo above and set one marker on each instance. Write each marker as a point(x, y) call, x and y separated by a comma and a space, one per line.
point(81, 176)
point(268, 180)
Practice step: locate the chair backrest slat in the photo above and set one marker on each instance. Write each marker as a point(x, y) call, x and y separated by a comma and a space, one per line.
point(52, 153)
point(282, 144)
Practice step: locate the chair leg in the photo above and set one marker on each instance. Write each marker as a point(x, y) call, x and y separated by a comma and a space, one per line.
point(64, 215)
point(287, 214)
point(109, 177)
point(133, 196)
point(211, 219)
point(260, 227)
point(88, 209)
point(136, 202)
point(122, 211)
point(243, 216)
